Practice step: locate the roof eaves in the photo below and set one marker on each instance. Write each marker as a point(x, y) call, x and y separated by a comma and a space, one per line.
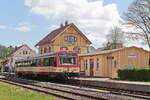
point(61, 32)
point(82, 34)
point(54, 35)
point(100, 53)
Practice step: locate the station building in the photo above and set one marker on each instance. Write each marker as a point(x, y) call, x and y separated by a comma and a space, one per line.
point(66, 37)
point(106, 63)
point(103, 63)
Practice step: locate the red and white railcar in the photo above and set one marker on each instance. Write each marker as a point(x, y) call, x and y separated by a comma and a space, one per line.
point(52, 64)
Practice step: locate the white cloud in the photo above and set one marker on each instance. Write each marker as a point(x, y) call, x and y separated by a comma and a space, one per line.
point(52, 27)
point(24, 23)
point(23, 28)
point(91, 16)
point(3, 27)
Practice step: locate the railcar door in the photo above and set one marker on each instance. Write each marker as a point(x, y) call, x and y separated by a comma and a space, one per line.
point(91, 67)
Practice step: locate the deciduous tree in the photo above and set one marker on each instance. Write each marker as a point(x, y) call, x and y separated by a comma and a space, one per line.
point(114, 38)
point(138, 15)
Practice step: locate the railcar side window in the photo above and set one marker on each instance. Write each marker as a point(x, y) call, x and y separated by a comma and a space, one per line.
point(38, 62)
point(24, 63)
point(52, 61)
point(27, 63)
point(41, 62)
point(17, 64)
point(33, 63)
point(46, 61)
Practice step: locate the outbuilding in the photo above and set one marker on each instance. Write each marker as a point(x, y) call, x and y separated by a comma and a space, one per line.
point(106, 63)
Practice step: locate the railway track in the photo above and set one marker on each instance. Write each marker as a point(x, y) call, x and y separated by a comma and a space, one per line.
point(137, 94)
point(73, 93)
point(63, 94)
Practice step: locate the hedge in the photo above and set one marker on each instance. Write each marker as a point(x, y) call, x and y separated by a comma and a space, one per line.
point(136, 74)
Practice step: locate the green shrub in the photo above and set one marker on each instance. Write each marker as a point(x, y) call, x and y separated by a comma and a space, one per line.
point(136, 74)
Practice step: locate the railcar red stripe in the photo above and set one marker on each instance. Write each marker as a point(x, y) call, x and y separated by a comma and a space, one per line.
point(30, 72)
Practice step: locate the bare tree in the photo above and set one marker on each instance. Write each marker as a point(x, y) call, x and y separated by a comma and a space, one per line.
point(138, 15)
point(116, 35)
point(115, 38)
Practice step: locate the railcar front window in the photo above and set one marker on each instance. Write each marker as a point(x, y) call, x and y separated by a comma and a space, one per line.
point(67, 59)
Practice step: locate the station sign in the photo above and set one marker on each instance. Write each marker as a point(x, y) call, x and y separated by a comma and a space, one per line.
point(110, 57)
point(132, 55)
point(129, 66)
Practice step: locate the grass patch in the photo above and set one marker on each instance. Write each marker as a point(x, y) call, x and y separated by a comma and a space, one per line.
point(9, 92)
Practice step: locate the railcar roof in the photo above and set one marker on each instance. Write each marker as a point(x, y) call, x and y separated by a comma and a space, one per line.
point(36, 56)
point(44, 55)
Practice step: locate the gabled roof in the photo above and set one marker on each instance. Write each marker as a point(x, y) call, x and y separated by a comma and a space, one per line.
point(18, 48)
point(110, 51)
point(100, 49)
point(100, 52)
point(52, 35)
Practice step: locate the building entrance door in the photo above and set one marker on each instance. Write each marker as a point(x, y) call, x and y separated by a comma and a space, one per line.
point(91, 67)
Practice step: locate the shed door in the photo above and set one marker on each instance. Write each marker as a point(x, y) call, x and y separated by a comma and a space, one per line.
point(91, 67)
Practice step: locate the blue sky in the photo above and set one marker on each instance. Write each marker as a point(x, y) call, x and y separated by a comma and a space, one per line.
point(20, 24)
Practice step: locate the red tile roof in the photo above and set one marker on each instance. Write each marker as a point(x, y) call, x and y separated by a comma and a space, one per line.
point(51, 35)
point(16, 49)
point(100, 49)
point(12, 53)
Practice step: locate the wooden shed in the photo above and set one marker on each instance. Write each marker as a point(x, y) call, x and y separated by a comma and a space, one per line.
point(105, 63)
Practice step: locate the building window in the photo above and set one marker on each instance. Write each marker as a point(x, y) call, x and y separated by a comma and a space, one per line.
point(97, 61)
point(49, 49)
point(77, 50)
point(63, 48)
point(86, 64)
point(25, 52)
point(41, 50)
point(45, 50)
point(70, 39)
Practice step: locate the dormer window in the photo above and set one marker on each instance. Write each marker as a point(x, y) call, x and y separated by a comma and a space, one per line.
point(70, 39)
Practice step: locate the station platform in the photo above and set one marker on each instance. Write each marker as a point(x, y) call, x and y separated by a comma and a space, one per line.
point(117, 84)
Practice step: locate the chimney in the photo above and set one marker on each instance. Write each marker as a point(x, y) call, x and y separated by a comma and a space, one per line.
point(66, 23)
point(61, 25)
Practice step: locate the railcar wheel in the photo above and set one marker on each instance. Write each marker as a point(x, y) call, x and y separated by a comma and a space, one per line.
point(62, 77)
